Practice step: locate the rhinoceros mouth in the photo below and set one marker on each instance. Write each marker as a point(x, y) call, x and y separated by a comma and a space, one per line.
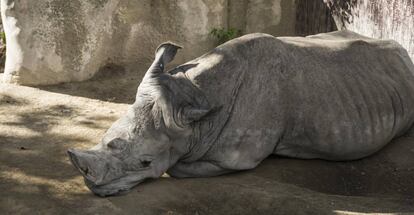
point(116, 187)
point(106, 185)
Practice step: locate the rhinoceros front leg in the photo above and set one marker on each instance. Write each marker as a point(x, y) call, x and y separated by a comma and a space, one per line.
point(196, 169)
point(410, 132)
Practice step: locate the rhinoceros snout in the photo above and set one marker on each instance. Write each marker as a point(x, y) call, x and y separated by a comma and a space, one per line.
point(83, 161)
point(75, 161)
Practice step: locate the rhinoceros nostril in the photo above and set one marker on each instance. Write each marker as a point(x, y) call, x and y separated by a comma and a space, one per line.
point(85, 170)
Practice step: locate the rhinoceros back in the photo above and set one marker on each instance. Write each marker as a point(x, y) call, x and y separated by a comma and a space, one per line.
point(335, 96)
point(350, 96)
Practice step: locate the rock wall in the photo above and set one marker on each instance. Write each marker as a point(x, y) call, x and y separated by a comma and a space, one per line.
point(276, 17)
point(386, 19)
point(2, 48)
point(55, 41)
point(313, 17)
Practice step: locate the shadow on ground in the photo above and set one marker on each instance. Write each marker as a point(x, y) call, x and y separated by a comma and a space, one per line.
point(37, 127)
point(112, 83)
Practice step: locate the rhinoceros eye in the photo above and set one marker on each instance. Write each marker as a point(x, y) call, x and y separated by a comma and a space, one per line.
point(145, 163)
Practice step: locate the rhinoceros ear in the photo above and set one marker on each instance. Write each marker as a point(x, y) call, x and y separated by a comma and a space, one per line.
point(164, 54)
point(191, 114)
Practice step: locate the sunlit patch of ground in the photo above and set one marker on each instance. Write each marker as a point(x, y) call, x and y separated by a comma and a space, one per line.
point(38, 126)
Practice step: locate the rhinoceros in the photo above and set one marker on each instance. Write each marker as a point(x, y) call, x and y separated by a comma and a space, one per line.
point(336, 96)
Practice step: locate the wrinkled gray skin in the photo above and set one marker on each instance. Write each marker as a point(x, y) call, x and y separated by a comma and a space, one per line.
point(336, 96)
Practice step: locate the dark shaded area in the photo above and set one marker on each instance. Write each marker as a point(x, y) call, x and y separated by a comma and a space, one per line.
point(35, 174)
point(313, 17)
point(387, 173)
point(6, 100)
point(112, 83)
point(47, 149)
point(42, 120)
point(341, 10)
point(109, 71)
point(2, 47)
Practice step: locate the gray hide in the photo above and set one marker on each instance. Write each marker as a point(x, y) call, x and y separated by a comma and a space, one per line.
point(336, 96)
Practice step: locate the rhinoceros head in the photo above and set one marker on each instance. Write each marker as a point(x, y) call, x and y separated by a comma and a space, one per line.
point(150, 137)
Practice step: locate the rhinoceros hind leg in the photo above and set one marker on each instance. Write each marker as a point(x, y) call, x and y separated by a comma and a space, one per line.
point(196, 169)
point(295, 153)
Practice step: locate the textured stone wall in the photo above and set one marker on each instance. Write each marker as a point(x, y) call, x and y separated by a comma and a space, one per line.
point(313, 17)
point(387, 19)
point(276, 17)
point(55, 41)
point(2, 48)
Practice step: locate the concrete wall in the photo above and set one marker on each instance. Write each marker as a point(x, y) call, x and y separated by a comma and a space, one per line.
point(386, 19)
point(276, 17)
point(55, 41)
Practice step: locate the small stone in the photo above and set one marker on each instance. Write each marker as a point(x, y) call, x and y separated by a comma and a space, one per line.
point(111, 99)
point(22, 148)
point(65, 111)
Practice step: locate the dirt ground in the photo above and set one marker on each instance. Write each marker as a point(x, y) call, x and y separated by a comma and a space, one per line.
point(37, 126)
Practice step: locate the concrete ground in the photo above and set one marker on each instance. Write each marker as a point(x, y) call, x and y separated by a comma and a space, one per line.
point(37, 126)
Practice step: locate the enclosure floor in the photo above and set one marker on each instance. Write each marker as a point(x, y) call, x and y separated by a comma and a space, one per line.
point(38, 126)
